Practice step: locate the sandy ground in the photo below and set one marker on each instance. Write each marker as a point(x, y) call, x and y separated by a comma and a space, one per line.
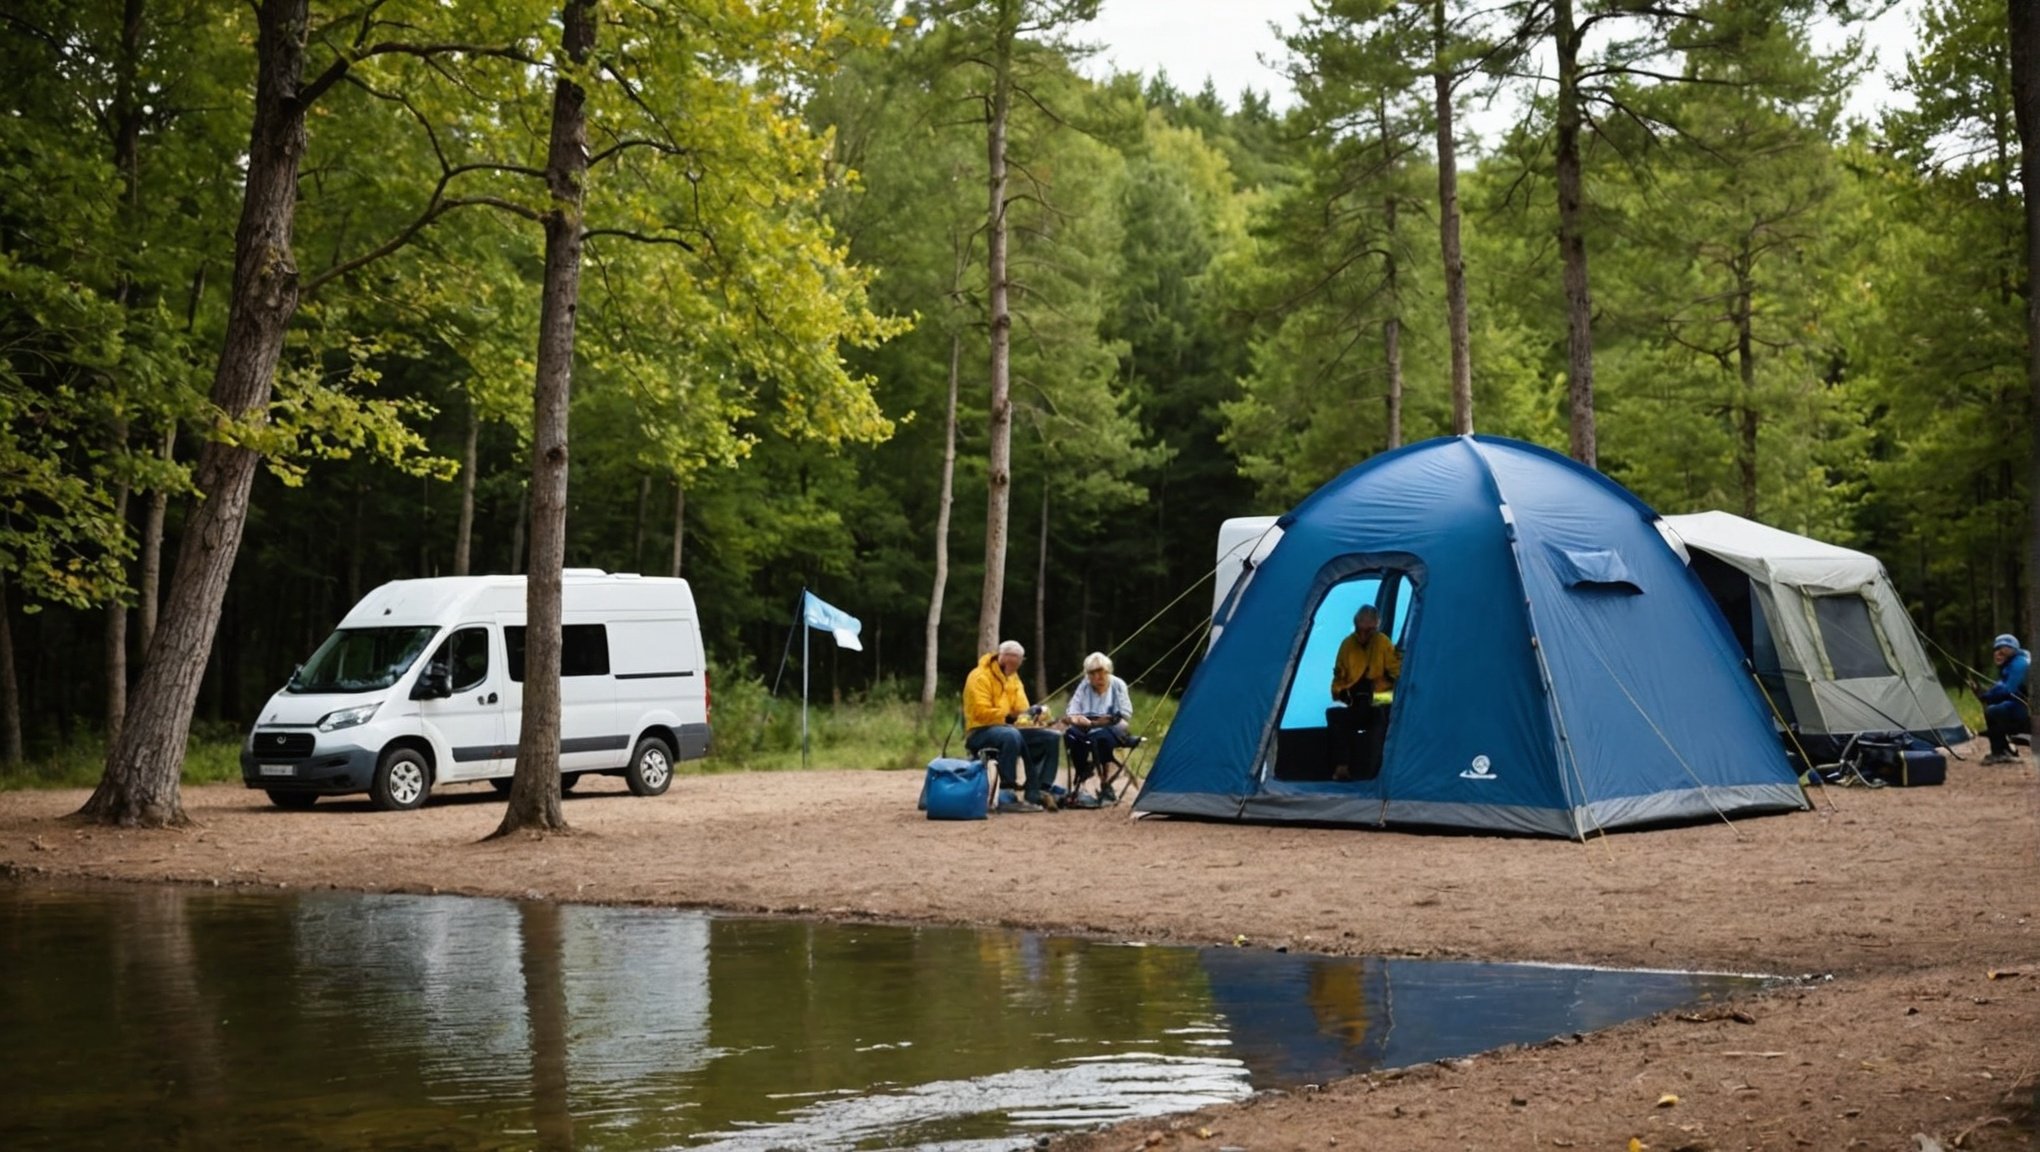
point(1921, 907)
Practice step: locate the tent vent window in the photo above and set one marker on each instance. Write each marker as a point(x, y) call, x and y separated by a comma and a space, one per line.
point(1849, 635)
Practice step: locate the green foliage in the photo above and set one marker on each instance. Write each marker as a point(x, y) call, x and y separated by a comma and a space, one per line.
point(1816, 320)
point(76, 761)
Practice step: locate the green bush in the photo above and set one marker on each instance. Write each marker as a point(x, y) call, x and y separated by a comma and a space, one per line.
point(213, 756)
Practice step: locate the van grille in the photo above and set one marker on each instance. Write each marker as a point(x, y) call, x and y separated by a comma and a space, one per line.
point(288, 745)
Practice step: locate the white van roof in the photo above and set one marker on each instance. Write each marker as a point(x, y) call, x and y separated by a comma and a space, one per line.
point(443, 599)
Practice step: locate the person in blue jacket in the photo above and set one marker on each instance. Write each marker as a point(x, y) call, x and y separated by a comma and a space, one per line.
point(2004, 703)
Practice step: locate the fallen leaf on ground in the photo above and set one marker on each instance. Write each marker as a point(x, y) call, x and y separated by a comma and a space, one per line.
point(1667, 1100)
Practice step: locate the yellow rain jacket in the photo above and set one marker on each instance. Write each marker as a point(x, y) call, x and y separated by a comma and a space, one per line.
point(1376, 663)
point(989, 695)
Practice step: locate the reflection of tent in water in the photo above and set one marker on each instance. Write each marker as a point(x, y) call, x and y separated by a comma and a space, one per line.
point(1562, 670)
point(1825, 630)
point(1310, 1019)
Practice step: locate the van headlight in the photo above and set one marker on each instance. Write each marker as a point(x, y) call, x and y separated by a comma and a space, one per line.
point(347, 717)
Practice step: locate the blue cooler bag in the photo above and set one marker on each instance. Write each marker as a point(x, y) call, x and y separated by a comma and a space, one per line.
point(956, 790)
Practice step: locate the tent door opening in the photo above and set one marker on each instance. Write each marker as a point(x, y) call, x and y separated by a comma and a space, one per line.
point(1310, 741)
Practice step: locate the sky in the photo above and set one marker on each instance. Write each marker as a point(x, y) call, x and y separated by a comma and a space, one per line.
point(1227, 40)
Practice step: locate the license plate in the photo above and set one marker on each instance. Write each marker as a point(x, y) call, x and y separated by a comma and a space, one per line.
point(277, 769)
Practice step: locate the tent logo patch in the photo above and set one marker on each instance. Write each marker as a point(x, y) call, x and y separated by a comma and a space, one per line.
point(1483, 769)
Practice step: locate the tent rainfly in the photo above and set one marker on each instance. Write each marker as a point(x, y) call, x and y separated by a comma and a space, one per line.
point(1563, 671)
point(1824, 629)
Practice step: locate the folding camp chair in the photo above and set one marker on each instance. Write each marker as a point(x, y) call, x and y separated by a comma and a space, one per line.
point(1111, 771)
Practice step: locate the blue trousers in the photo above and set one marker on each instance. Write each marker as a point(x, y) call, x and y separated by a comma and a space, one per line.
point(1037, 746)
point(2004, 719)
point(1091, 746)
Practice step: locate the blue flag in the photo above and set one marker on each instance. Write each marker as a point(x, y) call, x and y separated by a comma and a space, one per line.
point(821, 614)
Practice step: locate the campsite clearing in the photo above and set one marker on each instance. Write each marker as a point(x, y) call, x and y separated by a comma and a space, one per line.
point(1923, 905)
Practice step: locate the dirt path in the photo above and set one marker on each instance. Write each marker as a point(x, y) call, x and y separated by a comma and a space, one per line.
point(1923, 905)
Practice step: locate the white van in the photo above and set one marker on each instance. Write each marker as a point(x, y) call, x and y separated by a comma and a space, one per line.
point(423, 684)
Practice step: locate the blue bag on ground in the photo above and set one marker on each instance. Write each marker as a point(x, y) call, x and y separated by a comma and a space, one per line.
point(956, 790)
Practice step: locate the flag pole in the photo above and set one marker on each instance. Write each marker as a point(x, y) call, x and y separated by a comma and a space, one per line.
point(804, 632)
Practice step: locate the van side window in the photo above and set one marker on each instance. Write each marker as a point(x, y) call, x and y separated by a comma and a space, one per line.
point(465, 656)
point(584, 650)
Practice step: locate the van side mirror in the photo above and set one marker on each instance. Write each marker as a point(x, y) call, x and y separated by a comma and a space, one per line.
point(436, 683)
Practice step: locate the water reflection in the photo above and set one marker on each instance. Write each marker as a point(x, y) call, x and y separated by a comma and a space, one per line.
point(172, 1018)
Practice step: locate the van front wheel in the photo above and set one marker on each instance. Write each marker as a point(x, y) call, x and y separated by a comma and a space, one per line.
point(651, 767)
point(402, 781)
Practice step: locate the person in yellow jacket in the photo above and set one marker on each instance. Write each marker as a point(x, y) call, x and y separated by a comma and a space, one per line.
point(996, 715)
point(1367, 664)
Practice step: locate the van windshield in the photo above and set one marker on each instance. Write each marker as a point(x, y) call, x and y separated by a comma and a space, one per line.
point(360, 660)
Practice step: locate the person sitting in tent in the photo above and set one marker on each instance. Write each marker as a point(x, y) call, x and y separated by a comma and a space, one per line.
point(1367, 664)
point(996, 715)
point(2004, 703)
point(1099, 718)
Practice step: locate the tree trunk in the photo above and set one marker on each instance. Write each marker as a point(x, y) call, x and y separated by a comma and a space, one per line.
point(637, 542)
point(679, 524)
point(1448, 230)
point(149, 593)
point(140, 785)
point(1391, 328)
point(115, 651)
point(1041, 603)
point(535, 790)
point(1572, 241)
point(1391, 335)
point(10, 688)
point(517, 531)
point(1746, 415)
point(999, 458)
point(463, 537)
point(945, 498)
point(127, 150)
point(2025, 32)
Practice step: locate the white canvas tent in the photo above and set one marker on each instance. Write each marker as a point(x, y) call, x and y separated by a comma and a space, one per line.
point(1828, 636)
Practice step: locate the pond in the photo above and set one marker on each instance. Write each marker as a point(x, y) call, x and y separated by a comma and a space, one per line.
point(168, 1017)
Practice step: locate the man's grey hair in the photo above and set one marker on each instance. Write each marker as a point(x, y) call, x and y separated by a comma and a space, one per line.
point(1367, 610)
point(1011, 648)
point(1097, 660)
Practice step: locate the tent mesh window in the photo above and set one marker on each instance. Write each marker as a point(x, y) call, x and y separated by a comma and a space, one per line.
point(1850, 637)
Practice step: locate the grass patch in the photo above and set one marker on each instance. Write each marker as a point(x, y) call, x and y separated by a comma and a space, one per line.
point(213, 756)
point(882, 731)
point(1968, 707)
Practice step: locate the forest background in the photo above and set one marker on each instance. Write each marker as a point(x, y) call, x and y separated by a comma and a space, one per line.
point(1212, 307)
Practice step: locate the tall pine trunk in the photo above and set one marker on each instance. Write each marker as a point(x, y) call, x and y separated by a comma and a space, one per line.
point(463, 538)
point(1041, 603)
point(1448, 230)
point(115, 649)
point(1572, 240)
point(679, 525)
point(2025, 31)
point(999, 458)
point(127, 151)
point(140, 785)
point(1747, 418)
point(1391, 328)
point(148, 593)
point(945, 498)
point(1391, 337)
point(535, 790)
point(10, 687)
point(637, 538)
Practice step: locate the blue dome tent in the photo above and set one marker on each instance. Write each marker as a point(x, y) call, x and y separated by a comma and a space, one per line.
point(1563, 671)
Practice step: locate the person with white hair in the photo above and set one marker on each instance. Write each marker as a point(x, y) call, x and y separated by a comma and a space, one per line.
point(996, 716)
point(1099, 720)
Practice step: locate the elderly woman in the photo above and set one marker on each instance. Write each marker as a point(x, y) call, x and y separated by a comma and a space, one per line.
point(1098, 718)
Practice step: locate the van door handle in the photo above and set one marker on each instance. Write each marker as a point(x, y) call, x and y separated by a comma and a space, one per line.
point(489, 699)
